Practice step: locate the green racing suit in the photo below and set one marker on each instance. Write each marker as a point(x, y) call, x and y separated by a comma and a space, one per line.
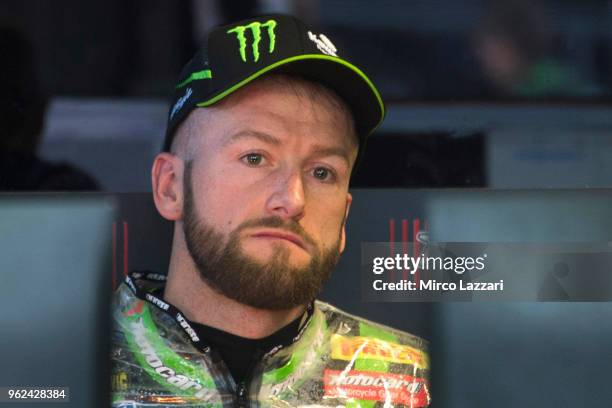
point(336, 360)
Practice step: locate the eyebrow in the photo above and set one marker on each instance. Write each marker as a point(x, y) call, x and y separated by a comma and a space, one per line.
point(318, 151)
point(252, 134)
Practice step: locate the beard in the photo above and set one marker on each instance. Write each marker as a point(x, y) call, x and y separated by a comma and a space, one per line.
point(228, 270)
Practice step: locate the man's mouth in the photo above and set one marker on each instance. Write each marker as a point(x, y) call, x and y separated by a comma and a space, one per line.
point(278, 234)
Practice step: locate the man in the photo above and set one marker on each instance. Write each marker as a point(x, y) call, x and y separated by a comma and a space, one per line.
point(262, 138)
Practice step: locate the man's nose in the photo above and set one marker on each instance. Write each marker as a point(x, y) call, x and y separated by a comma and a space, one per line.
point(287, 199)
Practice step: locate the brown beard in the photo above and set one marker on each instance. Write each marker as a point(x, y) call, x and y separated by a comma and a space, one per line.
point(272, 285)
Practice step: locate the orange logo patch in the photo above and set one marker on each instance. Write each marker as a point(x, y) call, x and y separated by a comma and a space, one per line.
point(345, 348)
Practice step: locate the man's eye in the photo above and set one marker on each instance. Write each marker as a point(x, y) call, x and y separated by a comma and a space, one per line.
point(322, 174)
point(253, 159)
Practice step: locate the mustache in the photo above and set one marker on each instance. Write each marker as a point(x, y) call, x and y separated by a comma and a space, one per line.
point(278, 223)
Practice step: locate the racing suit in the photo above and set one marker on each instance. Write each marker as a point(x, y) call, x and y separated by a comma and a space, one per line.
point(335, 360)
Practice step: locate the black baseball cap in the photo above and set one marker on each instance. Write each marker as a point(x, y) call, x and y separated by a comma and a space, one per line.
point(237, 54)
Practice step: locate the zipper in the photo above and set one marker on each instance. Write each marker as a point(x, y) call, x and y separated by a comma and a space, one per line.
point(241, 395)
point(242, 388)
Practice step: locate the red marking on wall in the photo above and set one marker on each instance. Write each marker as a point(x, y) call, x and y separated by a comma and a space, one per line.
point(114, 249)
point(417, 245)
point(405, 244)
point(392, 245)
point(125, 248)
point(417, 227)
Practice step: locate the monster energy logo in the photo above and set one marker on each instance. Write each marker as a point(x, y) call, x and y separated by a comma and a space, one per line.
point(255, 28)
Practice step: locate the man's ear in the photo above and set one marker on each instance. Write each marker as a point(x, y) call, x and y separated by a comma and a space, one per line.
point(167, 181)
point(349, 200)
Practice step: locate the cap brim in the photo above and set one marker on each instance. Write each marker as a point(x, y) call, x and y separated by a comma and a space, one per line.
point(341, 76)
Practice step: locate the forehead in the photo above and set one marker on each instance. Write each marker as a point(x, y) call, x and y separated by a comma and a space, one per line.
point(276, 104)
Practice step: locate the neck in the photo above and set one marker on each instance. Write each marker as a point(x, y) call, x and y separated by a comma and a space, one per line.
point(200, 303)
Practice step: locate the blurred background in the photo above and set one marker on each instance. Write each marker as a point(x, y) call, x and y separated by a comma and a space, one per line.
point(481, 93)
point(491, 94)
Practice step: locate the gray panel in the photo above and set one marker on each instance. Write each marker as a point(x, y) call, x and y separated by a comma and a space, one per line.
point(54, 290)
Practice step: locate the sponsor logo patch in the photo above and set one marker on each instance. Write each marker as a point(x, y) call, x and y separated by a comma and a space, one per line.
point(345, 348)
point(375, 386)
point(180, 102)
point(156, 365)
point(323, 43)
point(135, 310)
point(119, 381)
point(255, 29)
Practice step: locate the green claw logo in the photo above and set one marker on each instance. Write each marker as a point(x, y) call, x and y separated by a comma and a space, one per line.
point(255, 28)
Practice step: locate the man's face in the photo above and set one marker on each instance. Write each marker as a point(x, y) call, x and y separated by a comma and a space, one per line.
point(266, 194)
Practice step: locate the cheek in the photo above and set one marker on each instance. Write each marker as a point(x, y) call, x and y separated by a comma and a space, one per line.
point(327, 218)
point(224, 200)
